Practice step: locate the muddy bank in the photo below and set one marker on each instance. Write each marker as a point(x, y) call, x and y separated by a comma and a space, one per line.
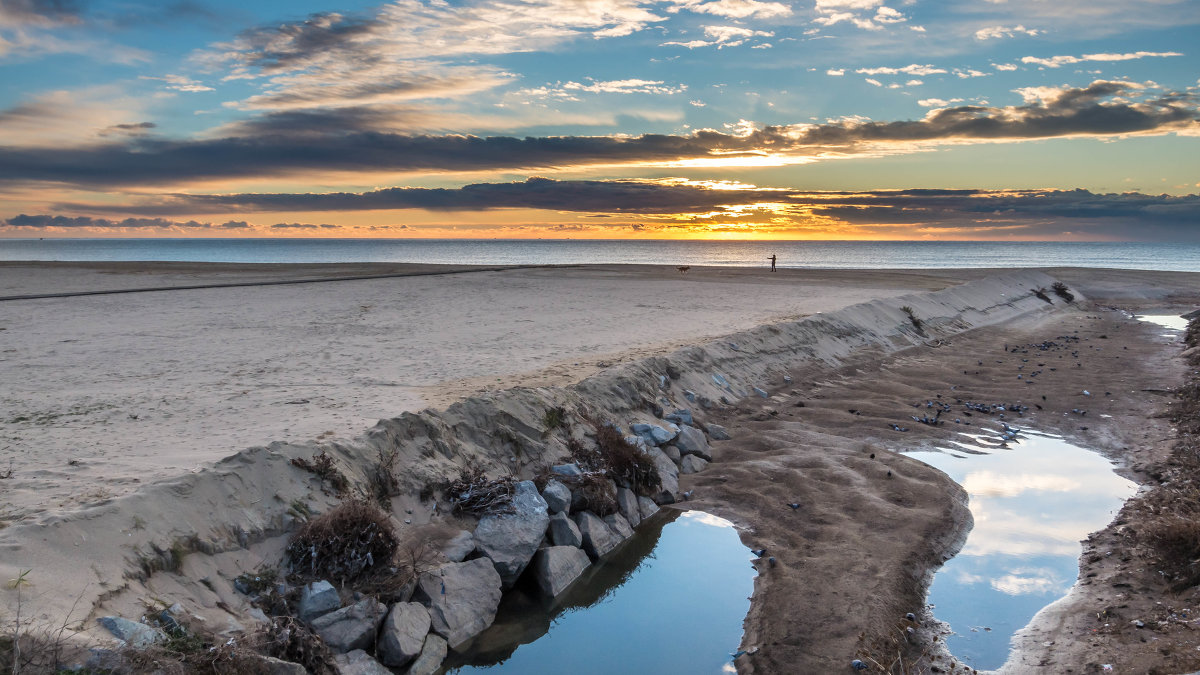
point(851, 558)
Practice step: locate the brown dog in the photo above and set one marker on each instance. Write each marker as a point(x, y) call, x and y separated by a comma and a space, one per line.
point(683, 269)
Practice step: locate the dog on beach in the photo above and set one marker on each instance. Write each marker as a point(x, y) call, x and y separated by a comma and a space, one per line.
point(683, 269)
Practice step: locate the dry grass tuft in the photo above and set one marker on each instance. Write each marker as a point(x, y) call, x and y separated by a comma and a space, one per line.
point(350, 541)
point(1060, 289)
point(474, 493)
point(323, 466)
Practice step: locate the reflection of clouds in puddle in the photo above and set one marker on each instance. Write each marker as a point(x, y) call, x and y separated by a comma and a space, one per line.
point(728, 668)
point(992, 484)
point(966, 578)
point(1011, 531)
point(1028, 581)
point(705, 519)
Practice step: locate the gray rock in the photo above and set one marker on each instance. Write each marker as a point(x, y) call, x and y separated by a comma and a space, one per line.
point(647, 507)
point(317, 598)
point(273, 666)
point(564, 531)
point(459, 547)
point(628, 504)
point(558, 567)
point(511, 539)
point(134, 634)
point(598, 537)
point(691, 441)
point(567, 470)
point(717, 432)
point(689, 395)
point(655, 434)
point(432, 655)
point(358, 662)
point(669, 474)
point(617, 523)
point(637, 442)
point(681, 416)
point(352, 627)
point(673, 453)
point(557, 496)
point(760, 392)
point(462, 598)
point(403, 634)
point(692, 464)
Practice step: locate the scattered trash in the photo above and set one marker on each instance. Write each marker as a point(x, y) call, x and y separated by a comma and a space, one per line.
point(857, 664)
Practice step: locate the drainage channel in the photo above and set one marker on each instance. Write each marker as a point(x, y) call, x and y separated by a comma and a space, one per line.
point(1033, 498)
point(671, 600)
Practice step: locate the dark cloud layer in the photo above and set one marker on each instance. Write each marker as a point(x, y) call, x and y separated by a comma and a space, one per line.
point(1102, 109)
point(85, 222)
point(1028, 213)
point(41, 11)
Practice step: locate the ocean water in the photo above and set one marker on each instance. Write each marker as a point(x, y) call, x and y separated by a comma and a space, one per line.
point(793, 254)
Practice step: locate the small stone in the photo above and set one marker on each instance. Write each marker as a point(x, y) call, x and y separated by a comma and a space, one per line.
point(459, 547)
point(619, 525)
point(317, 598)
point(647, 507)
point(403, 634)
point(358, 662)
point(557, 496)
point(628, 505)
point(557, 567)
point(134, 634)
point(432, 655)
point(564, 531)
point(352, 627)
point(717, 432)
point(760, 392)
point(691, 441)
point(567, 470)
point(598, 537)
point(692, 464)
point(654, 434)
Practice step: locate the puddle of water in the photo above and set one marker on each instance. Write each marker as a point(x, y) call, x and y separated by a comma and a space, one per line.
point(1032, 502)
point(1165, 320)
point(672, 599)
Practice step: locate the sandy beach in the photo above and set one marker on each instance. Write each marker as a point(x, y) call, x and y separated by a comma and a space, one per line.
point(113, 402)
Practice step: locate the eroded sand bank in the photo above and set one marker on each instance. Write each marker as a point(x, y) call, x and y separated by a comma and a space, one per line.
point(232, 511)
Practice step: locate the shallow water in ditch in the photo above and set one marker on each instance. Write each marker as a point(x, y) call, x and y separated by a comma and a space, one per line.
point(1170, 321)
point(1032, 502)
point(671, 600)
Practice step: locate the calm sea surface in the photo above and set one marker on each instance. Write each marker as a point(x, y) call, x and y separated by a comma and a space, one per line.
point(1150, 256)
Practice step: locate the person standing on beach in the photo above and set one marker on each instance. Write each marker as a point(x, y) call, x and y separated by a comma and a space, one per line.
point(772, 262)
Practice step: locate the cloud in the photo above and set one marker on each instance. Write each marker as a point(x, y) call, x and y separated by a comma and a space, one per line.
point(723, 36)
point(71, 117)
point(911, 69)
point(937, 102)
point(1102, 109)
point(836, 72)
point(857, 12)
point(46, 222)
point(569, 90)
point(40, 12)
point(734, 9)
point(1059, 61)
point(179, 83)
point(997, 32)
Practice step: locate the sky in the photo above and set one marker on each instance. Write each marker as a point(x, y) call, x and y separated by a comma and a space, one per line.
point(716, 119)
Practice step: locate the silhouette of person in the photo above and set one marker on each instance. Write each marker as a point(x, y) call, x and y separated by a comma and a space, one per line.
point(772, 262)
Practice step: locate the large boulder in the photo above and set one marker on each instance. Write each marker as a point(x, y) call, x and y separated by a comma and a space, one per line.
point(352, 627)
point(432, 655)
point(567, 469)
point(654, 434)
point(511, 539)
point(462, 598)
point(358, 662)
point(317, 598)
point(692, 464)
point(620, 527)
point(557, 567)
point(269, 665)
point(459, 547)
point(598, 537)
point(680, 416)
point(564, 531)
point(557, 496)
point(691, 441)
point(628, 505)
point(134, 634)
point(669, 473)
point(403, 634)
